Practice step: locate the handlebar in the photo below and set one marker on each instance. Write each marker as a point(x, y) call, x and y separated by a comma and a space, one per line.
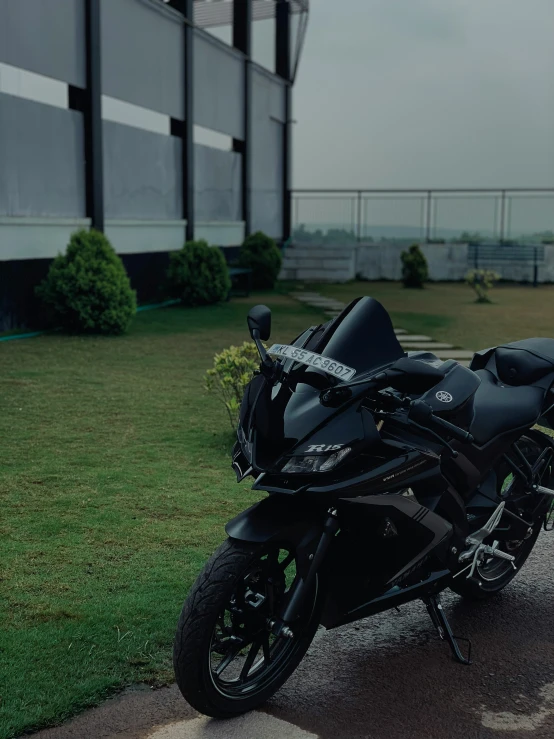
point(422, 414)
point(419, 412)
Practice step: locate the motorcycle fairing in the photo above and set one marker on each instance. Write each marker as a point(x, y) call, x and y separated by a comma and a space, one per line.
point(285, 418)
point(371, 559)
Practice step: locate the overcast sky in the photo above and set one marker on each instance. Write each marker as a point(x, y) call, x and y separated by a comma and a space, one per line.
point(426, 93)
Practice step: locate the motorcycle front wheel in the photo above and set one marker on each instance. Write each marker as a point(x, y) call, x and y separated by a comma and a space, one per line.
point(225, 657)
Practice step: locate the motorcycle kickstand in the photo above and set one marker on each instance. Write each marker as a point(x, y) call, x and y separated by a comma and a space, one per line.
point(438, 617)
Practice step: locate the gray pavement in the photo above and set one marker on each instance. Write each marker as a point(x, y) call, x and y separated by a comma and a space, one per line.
point(254, 726)
point(387, 677)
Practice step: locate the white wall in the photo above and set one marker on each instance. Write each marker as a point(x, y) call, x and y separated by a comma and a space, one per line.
point(447, 262)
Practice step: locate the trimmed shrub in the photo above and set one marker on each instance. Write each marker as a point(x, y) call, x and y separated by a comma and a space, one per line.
point(198, 274)
point(414, 267)
point(232, 371)
point(88, 287)
point(260, 254)
point(481, 281)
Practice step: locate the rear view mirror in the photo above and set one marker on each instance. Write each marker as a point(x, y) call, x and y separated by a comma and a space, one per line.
point(259, 322)
point(413, 375)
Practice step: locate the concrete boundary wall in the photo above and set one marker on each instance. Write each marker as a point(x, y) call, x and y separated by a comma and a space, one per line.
point(382, 261)
point(447, 262)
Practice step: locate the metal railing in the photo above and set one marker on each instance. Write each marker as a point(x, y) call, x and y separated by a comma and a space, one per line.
point(484, 215)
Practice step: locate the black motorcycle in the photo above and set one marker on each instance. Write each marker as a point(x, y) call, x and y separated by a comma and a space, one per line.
point(390, 477)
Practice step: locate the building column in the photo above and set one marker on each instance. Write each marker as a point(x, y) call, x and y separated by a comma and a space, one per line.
point(242, 40)
point(283, 69)
point(188, 134)
point(93, 117)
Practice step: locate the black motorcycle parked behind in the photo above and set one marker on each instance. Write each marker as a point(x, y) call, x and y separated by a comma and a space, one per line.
point(390, 478)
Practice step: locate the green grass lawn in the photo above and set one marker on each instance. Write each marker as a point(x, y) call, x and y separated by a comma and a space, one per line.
point(448, 312)
point(115, 484)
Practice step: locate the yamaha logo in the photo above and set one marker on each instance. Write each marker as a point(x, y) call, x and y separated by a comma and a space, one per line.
point(444, 397)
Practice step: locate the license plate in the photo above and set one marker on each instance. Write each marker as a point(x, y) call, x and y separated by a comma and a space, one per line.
point(342, 371)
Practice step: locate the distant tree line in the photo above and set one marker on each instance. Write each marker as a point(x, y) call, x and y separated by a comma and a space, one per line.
point(301, 235)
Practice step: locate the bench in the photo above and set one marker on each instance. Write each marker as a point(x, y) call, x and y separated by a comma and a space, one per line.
point(241, 281)
point(492, 255)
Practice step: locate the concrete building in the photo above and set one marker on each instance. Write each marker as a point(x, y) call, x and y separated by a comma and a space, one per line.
point(149, 120)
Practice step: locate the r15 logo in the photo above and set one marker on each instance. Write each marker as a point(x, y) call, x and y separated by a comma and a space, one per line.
point(324, 447)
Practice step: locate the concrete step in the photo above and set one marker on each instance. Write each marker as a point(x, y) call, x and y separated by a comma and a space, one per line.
point(320, 300)
point(431, 346)
point(407, 338)
point(398, 331)
point(326, 306)
point(458, 354)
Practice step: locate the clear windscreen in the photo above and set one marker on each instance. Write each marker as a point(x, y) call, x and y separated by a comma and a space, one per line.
point(361, 337)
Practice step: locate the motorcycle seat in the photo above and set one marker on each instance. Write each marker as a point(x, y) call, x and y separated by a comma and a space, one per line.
point(524, 362)
point(498, 409)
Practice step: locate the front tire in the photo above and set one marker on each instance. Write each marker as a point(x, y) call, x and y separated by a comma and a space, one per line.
point(226, 659)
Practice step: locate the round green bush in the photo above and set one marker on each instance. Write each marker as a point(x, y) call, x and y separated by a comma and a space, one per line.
point(88, 287)
point(414, 267)
point(260, 253)
point(198, 274)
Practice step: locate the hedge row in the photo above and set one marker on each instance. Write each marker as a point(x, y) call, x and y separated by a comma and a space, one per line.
point(89, 290)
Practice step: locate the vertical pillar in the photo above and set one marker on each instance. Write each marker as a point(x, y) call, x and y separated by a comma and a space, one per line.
point(502, 216)
point(359, 217)
point(93, 117)
point(242, 40)
point(283, 69)
point(188, 138)
point(428, 217)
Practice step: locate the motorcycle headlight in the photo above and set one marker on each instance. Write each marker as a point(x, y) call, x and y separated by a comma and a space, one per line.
point(310, 463)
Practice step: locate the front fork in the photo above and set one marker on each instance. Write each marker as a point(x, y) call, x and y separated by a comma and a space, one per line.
point(282, 625)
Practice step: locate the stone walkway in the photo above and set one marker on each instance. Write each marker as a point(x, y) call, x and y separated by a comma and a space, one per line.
point(409, 342)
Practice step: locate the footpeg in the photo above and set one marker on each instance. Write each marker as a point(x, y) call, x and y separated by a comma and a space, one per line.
point(438, 617)
point(477, 538)
point(482, 551)
point(477, 550)
point(543, 491)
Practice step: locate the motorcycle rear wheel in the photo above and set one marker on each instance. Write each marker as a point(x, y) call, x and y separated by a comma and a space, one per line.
point(226, 659)
point(494, 575)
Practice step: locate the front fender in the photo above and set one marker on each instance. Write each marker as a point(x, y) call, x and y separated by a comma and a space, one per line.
point(282, 519)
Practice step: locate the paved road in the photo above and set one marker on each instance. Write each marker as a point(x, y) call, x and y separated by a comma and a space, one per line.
point(388, 677)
